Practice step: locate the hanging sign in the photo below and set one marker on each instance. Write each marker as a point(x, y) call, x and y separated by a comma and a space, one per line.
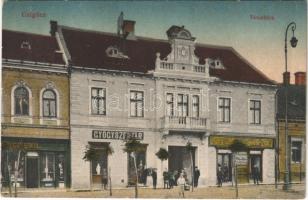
point(117, 135)
point(241, 158)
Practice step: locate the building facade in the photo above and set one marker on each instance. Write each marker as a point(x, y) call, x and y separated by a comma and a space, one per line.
point(296, 127)
point(164, 93)
point(35, 112)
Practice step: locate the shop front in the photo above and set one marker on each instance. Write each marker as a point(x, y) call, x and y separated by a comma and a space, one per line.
point(36, 163)
point(247, 161)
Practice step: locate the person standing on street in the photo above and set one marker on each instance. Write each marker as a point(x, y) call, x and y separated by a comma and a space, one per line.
point(196, 176)
point(255, 174)
point(154, 176)
point(219, 176)
point(104, 178)
point(181, 184)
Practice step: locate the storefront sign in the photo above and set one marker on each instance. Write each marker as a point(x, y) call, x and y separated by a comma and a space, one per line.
point(117, 135)
point(20, 145)
point(241, 158)
point(225, 142)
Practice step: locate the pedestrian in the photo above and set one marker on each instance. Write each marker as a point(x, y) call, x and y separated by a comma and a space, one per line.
point(196, 176)
point(166, 179)
point(104, 178)
point(255, 174)
point(219, 176)
point(181, 184)
point(154, 177)
point(172, 179)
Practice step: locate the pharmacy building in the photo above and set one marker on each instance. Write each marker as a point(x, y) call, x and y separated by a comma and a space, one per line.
point(165, 93)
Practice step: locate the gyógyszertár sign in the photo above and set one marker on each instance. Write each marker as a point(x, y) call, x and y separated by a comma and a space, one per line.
point(117, 135)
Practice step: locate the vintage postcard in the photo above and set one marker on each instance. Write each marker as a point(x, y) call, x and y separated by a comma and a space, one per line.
point(154, 99)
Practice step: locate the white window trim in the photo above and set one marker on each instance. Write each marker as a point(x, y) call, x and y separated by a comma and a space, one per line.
point(90, 100)
point(144, 103)
point(42, 118)
point(248, 112)
point(13, 116)
point(298, 139)
point(217, 113)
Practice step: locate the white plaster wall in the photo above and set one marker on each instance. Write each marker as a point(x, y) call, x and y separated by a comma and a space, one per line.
point(240, 95)
point(268, 166)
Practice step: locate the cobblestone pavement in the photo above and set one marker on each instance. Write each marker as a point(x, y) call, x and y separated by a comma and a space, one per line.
point(245, 191)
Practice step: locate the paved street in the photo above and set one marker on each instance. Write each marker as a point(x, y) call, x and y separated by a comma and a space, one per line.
point(245, 191)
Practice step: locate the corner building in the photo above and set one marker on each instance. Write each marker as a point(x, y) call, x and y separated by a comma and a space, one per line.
point(164, 93)
point(35, 115)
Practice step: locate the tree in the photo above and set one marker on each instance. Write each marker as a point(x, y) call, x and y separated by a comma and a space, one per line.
point(91, 154)
point(191, 149)
point(10, 150)
point(132, 147)
point(162, 155)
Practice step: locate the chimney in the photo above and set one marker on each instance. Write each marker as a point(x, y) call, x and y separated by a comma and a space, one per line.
point(53, 27)
point(128, 29)
point(300, 78)
point(286, 77)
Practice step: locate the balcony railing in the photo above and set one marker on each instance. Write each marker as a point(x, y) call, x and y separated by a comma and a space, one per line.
point(183, 122)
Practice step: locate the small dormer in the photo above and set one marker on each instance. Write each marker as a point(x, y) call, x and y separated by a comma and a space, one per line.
point(25, 45)
point(115, 52)
point(214, 63)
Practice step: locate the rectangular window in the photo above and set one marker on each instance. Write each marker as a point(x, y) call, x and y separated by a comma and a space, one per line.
point(47, 169)
point(136, 104)
point(170, 104)
point(182, 105)
point(255, 112)
point(224, 105)
point(195, 106)
point(98, 101)
point(296, 151)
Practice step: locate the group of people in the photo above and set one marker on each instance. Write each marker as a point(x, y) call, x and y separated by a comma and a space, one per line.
point(222, 175)
point(171, 177)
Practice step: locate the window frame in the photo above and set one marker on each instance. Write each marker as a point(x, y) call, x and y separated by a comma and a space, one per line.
point(104, 98)
point(254, 110)
point(48, 99)
point(136, 101)
point(182, 104)
point(300, 150)
point(195, 105)
point(14, 101)
point(171, 103)
point(223, 109)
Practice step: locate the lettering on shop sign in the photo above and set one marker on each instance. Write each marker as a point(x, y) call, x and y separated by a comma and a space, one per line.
point(241, 158)
point(117, 135)
point(20, 145)
point(225, 142)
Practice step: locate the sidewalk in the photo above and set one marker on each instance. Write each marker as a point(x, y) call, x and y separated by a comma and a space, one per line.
point(245, 191)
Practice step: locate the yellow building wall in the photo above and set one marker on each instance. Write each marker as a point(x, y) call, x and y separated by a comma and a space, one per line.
point(36, 81)
point(298, 130)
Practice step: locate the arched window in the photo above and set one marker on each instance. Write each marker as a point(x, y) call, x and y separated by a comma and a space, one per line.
point(21, 98)
point(49, 104)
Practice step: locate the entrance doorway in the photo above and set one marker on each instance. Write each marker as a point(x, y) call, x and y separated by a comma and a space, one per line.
point(179, 159)
point(224, 160)
point(141, 168)
point(99, 167)
point(255, 160)
point(32, 172)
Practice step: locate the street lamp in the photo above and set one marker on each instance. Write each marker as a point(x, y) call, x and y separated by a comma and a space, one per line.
point(293, 43)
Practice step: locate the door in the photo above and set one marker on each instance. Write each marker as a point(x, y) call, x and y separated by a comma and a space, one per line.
point(224, 161)
point(256, 160)
point(32, 172)
point(180, 159)
point(141, 167)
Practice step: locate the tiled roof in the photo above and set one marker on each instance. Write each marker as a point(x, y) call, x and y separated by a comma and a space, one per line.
point(37, 48)
point(88, 49)
point(296, 102)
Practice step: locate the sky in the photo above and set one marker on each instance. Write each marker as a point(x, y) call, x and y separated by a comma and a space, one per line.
point(229, 23)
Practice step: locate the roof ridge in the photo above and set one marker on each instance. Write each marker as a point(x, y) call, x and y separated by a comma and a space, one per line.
point(28, 33)
point(142, 37)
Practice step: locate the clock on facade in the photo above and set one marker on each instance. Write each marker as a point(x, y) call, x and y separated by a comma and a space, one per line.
point(183, 52)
